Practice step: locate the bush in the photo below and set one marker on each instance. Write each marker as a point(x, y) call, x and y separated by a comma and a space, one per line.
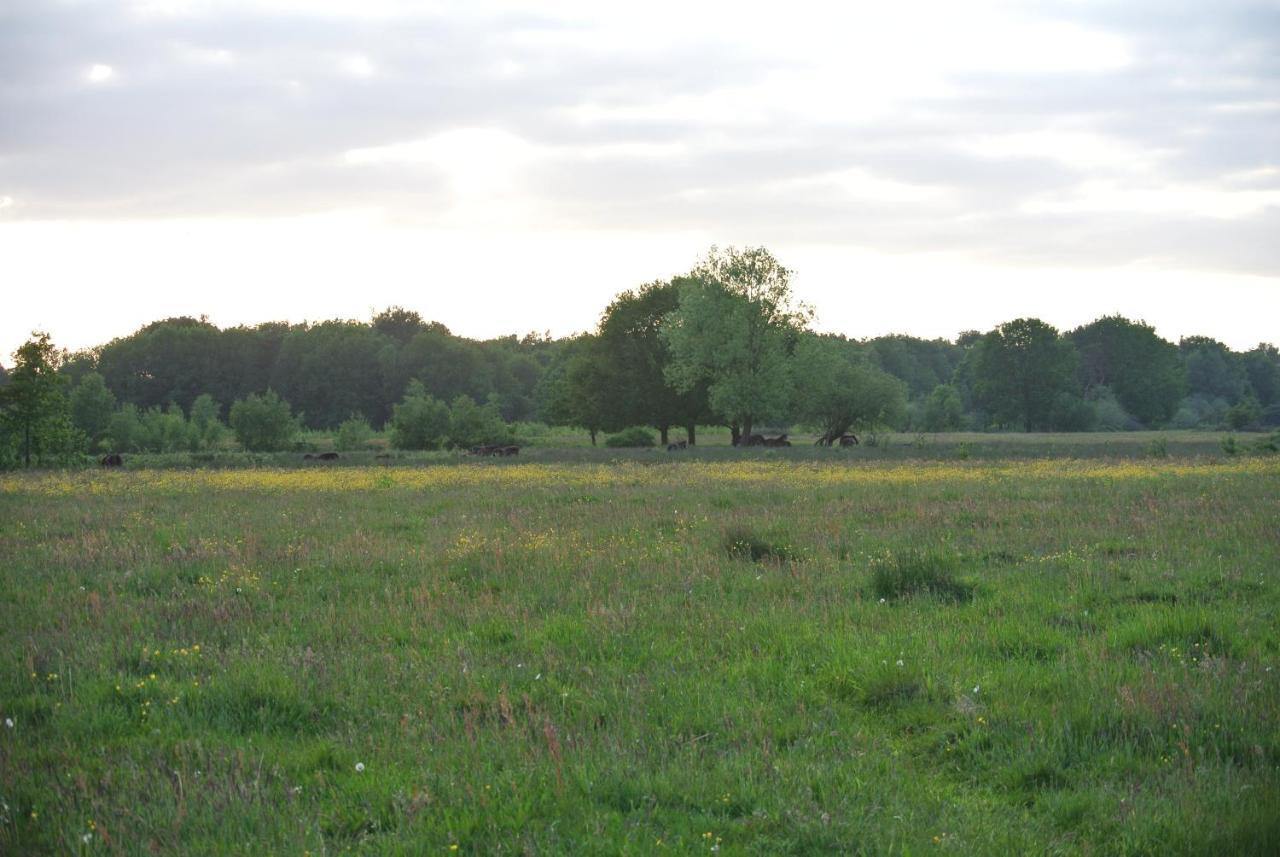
point(476, 425)
point(1244, 415)
point(354, 433)
point(637, 436)
point(1111, 415)
point(263, 423)
point(918, 573)
point(1071, 413)
point(419, 421)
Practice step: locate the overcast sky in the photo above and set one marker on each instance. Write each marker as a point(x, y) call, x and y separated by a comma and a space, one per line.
point(922, 167)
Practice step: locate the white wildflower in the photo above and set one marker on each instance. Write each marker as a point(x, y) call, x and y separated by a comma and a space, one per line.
point(359, 767)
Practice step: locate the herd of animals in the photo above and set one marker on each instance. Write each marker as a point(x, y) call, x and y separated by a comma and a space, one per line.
point(115, 459)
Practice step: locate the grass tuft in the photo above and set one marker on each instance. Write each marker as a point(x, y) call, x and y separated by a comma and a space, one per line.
point(911, 573)
point(743, 543)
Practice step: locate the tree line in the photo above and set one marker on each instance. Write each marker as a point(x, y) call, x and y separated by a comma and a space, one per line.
point(725, 344)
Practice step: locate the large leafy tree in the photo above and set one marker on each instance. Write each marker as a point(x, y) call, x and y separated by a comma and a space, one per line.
point(735, 328)
point(34, 411)
point(331, 370)
point(580, 390)
point(836, 389)
point(1024, 372)
point(1141, 369)
point(637, 358)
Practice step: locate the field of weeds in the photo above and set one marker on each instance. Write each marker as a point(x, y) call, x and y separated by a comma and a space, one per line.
point(769, 655)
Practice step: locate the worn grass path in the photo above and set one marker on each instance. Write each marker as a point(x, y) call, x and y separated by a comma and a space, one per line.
point(1070, 657)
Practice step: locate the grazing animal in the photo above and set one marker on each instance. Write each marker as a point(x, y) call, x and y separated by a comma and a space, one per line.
point(328, 456)
point(308, 457)
point(849, 439)
point(113, 459)
point(672, 447)
point(383, 455)
point(780, 440)
point(751, 440)
point(509, 450)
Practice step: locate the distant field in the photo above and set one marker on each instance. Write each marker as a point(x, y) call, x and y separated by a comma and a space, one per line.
point(560, 445)
point(950, 649)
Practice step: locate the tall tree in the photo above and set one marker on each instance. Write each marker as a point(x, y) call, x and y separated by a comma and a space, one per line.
point(1022, 371)
point(1141, 369)
point(735, 329)
point(638, 358)
point(34, 410)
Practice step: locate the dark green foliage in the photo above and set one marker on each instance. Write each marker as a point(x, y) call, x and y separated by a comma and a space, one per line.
point(910, 573)
point(1021, 372)
point(1244, 414)
point(636, 359)
point(1142, 370)
point(944, 410)
point(419, 421)
point(636, 436)
point(263, 423)
point(1213, 370)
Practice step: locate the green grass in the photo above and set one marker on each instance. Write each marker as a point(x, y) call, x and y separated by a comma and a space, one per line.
point(657, 656)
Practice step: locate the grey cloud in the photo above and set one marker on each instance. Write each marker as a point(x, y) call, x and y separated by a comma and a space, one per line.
point(263, 133)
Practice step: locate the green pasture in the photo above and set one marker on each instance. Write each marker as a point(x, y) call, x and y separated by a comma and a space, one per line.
point(785, 652)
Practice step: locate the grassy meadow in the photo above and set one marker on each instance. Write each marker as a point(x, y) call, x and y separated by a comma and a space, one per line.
point(781, 652)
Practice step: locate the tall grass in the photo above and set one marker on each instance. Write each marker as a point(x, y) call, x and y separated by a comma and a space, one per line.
point(1072, 657)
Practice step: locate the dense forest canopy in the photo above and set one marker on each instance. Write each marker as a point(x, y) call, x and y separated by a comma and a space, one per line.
point(725, 344)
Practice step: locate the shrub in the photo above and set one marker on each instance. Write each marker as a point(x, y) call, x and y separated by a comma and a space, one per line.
point(419, 421)
point(918, 573)
point(263, 423)
point(636, 436)
point(475, 425)
point(354, 433)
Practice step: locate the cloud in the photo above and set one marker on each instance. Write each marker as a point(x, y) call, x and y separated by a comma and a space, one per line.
point(1084, 134)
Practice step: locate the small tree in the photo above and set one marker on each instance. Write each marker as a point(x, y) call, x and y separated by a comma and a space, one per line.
point(420, 421)
point(124, 430)
point(34, 410)
point(206, 421)
point(354, 433)
point(263, 423)
point(91, 407)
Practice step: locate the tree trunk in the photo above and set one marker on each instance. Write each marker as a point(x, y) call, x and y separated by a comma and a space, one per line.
point(592, 432)
point(746, 427)
point(734, 433)
point(26, 444)
point(663, 431)
point(689, 430)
